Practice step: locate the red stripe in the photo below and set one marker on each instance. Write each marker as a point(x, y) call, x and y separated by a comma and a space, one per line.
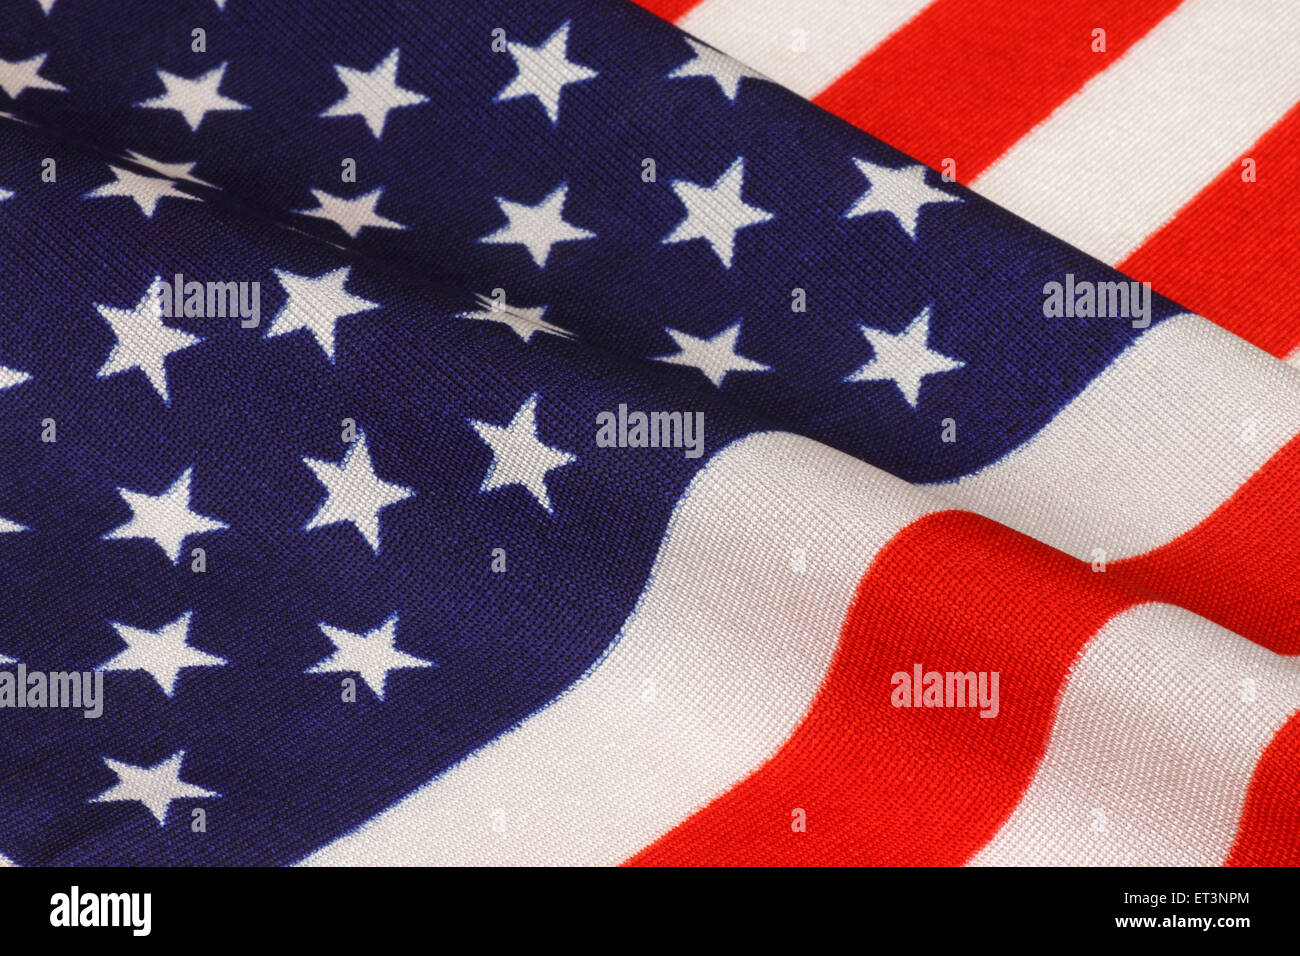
point(967, 78)
point(669, 9)
point(1233, 253)
point(904, 786)
point(1240, 567)
point(1270, 822)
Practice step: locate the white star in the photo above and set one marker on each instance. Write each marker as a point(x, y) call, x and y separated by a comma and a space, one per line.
point(899, 192)
point(716, 213)
point(372, 655)
point(19, 75)
point(544, 71)
point(373, 94)
point(7, 526)
point(46, 6)
point(356, 493)
point(905, 358)
point(317, 304)
point(537, 228)
point(5, 194)
point(163, 653)
point(165, 518)
point(193, 99)
point(146, 191)
point(182, 171)
point(715, 356)
point(143, 341)
point(9, 377)
point(156, 787)
point(525, 322)
point(8, 660)
point(351, 215)
point(717, 66)
point(518, 455)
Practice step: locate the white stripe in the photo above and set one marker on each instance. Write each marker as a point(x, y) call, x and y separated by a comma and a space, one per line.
point(1156, 739)
point(1118, 159)
point(802, 44)
point(1149, 449)
point(729, 640)
point(1294, 358)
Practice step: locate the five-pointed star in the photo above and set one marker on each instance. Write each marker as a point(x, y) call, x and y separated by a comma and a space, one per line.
point(373, 93)
point(716, 213)
point(143, 341)
point(7, 660)
point(194, 98)
point(372, 655)
point(5, 194)
point(19, 75)
point(350, 215)
point(165, 518)
point(46, 5)
point(899, 192)
point(518, 456)
point(715, 356)
point(145, 191)
point(905, 358)
point(156, 787)
point(717, 66)
point(9, 377)
point(183, 171)
point(524, 321)
point(544, 71)
point(163, 653)
point(356, 493)
point(317, 305)
point(537, 228)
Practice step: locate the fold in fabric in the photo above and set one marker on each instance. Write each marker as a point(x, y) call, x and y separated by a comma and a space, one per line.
point(567, 649)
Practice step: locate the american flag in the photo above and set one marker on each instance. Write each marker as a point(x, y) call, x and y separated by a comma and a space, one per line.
point(540, 433)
